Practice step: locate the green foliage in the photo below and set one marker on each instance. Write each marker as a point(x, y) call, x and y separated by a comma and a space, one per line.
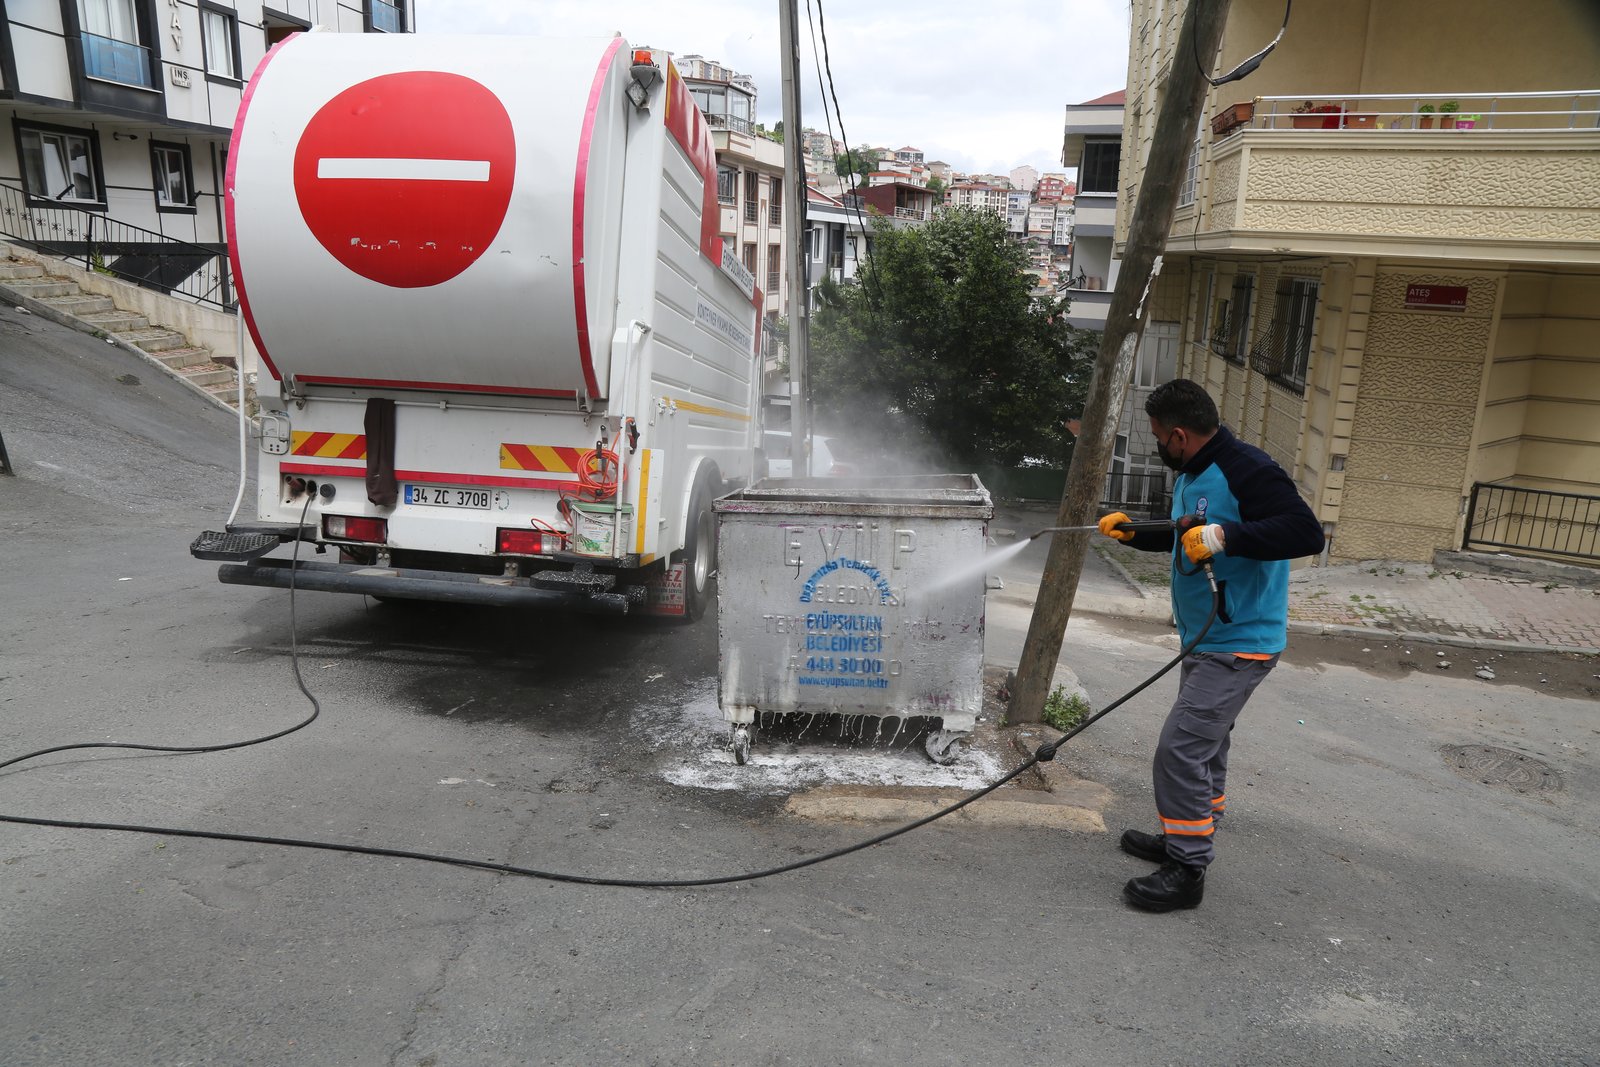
point(937, 186)
point(860, 161)
point(1065, 713)
point(941, 340)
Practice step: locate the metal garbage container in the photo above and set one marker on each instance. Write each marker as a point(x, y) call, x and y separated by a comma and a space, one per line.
point(859, 597)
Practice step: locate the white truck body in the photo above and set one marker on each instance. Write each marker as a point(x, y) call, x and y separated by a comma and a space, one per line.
point(490, 234)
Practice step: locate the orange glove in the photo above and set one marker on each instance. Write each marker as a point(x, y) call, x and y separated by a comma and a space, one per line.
point(1200, 543)
point(1109, 524)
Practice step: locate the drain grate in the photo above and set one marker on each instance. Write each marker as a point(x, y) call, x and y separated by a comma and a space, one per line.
point(1502, 767)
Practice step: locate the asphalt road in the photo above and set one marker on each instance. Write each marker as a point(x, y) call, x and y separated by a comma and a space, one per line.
point(1370, 903)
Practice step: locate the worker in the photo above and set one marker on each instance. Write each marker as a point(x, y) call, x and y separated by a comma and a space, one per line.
point(1233, 507)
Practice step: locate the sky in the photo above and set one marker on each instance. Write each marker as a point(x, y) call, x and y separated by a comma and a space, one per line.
point(979, 87)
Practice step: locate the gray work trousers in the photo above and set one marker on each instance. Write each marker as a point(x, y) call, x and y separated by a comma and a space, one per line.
point(1191, 762)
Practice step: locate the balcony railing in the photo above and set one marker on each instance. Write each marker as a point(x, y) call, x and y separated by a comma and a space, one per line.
point(117, 61)
point(1577, 109)
point(199, 273)
point(772, 281)
point(1535, 520)
point(387, 17)
point(728, 122)
point(912, 213)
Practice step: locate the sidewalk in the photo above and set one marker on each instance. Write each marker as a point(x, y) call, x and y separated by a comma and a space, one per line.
point(1482, 601)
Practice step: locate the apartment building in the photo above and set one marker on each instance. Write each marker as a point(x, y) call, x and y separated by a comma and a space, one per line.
point(120, 114)
point(726, 97)
point(981, 195)
point(1017, 204)
point(750, 177)
point(1092, 143)
point(1024, 178)
point(1051, 187)
point(1385, 263)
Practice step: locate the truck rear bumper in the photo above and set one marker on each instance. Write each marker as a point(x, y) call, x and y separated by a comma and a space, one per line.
point(443, 586)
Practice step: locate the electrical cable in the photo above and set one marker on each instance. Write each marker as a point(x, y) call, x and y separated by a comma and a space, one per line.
point(294, 660)
point(1043, 754)
point(1247, 67)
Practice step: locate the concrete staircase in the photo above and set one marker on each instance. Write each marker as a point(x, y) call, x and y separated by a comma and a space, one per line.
point(31, 286)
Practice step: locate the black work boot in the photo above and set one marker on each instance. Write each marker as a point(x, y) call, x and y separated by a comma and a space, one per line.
point(1152, 847)
point(1175, 885)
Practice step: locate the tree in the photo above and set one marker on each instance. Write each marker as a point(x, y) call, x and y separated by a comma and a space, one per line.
point(777, 131)
point(942, 340)
point(937, 186)
point(862, 161)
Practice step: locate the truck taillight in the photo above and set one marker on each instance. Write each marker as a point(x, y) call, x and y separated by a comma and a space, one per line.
point(351, 528)
point(528, 542)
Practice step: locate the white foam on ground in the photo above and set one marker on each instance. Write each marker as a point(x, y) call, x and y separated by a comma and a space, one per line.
point(690, 742)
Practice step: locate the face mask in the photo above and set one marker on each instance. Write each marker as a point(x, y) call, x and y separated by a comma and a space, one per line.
point(1167, 457)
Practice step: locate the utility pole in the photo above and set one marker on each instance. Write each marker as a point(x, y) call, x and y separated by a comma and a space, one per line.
point(794, 209)
point(1147, 234)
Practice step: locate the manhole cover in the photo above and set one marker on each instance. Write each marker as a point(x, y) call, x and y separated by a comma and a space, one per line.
point(1502, 767)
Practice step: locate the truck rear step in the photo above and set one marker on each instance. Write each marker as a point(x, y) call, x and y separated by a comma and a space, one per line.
point(580, 593)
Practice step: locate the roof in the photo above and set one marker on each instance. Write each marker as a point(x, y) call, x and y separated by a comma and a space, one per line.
point(1118, 97)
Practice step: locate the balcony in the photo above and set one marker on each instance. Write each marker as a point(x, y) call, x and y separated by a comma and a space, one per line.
point(913, 214)
point(1088, 308)
point(116, 61)
point(1509, 178)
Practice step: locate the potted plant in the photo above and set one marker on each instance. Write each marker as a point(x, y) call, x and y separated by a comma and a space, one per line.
point(1425, 117)
point(1447, 114)
point(1232, 117)
point(1309, 116)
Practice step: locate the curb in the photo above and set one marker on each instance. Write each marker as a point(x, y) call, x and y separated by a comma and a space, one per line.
point(1422, 637)
point(1150, 610)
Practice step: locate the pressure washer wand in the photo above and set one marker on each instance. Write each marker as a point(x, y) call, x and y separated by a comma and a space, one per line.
point(1132, 526)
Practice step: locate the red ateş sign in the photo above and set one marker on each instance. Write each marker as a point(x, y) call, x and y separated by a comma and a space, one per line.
point(405, 178)
point(1437, 297)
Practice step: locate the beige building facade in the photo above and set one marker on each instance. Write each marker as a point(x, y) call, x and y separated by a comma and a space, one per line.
point(1385, 263)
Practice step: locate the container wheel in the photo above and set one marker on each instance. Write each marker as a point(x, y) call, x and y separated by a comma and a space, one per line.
point(943, 746)
point(741, 745)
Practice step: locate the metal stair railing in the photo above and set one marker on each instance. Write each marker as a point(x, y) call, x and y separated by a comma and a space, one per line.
point(196, 272)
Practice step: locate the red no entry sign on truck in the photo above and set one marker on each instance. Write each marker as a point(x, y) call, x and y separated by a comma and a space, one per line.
point(405, 178)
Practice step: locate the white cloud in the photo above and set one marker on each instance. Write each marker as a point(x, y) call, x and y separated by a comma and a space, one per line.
point(981, 88)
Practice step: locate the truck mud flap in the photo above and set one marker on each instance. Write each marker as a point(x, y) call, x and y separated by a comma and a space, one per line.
point(440, 586)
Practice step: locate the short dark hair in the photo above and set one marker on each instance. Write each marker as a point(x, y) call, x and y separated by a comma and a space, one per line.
point(1181, 403)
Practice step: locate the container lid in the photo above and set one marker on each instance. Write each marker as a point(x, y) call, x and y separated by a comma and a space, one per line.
point(951, 495)
point(594, 507)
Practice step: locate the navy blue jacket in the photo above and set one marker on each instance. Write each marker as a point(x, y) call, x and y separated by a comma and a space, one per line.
point(1264, 523)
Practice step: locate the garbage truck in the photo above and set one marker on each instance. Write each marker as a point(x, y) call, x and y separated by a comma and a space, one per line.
point(505, 357)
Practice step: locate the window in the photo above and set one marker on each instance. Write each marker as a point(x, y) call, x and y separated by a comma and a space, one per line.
point(174, 178)
point(1191, 170)
point(387, 16)
point(111, 43)
point(1236, 322)
point(220, 34)
point(727, 185)
point(774, 267)
point(752, 196)
point(61, 165)
point(750, 257)
point(1158, 356)
point(1286, 352)
point(775, 205)
point(1101, 161)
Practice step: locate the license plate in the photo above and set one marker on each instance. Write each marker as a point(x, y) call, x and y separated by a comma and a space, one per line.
point(448, 496)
